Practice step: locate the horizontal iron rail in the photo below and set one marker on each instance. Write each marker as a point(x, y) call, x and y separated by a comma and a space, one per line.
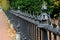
point(36, 22)
point(24, 17)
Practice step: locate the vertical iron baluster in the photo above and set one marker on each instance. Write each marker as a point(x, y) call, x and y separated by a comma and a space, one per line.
point(40, 34)
point(49, 35)
point(33, 33)
point(54, 26)
point(29, 30)
point(37, 33)
point(44, 34)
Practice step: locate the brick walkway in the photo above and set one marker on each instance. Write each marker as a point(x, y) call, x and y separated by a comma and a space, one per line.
point(4, 25)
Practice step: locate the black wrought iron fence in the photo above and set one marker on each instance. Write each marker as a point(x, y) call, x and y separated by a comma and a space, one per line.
point(32, 28)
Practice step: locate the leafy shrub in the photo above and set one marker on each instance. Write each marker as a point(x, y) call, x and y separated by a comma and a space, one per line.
point(34, 5)
point(4, 4)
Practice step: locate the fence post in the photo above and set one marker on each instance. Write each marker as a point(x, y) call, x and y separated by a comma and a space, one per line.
point(43, 22)
point(43, 19)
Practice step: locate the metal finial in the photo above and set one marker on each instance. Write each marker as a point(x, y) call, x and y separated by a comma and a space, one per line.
point(33, 13)
point(18, 8)
point(30, 15)
point(37, 14)
point(44, 7)
point(26, 11)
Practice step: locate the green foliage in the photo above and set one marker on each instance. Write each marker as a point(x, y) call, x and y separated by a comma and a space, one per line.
point(33, 5)
point(4, 4)
point(53, 7)
point(28, 5)
point(51, 4)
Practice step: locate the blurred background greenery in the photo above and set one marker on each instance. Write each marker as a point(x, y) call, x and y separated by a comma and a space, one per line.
point(4, 4)
point(53, 6)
